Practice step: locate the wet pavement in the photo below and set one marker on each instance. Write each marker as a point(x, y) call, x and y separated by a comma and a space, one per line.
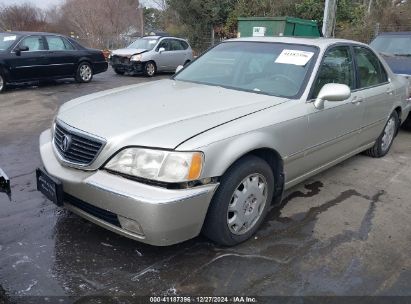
point(346, 231)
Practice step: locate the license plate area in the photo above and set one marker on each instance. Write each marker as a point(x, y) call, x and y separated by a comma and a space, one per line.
point(50, 187)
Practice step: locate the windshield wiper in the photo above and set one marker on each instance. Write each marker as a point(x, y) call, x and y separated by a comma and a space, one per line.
point(403, 55)
point(387, 54)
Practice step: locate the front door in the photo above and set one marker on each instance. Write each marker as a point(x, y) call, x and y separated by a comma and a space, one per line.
point(333, 130)
point(29, 64)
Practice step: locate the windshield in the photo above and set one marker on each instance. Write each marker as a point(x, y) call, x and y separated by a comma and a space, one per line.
point(276, 69)
point(393, 45)
point(6, 40)
point(143, 43)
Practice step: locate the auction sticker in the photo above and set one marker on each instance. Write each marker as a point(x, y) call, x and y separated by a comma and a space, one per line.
point(9, 38)
point(295, 57)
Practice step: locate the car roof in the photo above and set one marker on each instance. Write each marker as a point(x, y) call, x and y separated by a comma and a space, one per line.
point(162, 37)
point(394, 33)
point(319, 42)
point(31, 33)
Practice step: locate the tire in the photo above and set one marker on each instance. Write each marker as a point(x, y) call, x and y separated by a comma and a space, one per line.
point(220, 223)
point(118, 72)
point(84, 72)
point(187, 62)
point(150, 69)
point(2, 82)
point(407, 123)
point(384, 142)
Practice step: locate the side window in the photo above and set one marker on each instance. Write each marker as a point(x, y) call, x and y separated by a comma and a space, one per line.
point(34, 43)
point(58, 44)
point(164, 44)
point(176, 45)
point(337, 67)
point(184, 44)
point(370, 69)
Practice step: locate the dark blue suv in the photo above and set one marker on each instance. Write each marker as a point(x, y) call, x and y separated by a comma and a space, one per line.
point(396, 50)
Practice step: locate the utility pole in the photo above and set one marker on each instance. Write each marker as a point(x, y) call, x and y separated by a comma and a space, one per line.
point(330, 11)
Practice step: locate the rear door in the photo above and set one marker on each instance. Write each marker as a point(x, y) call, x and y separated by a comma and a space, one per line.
point(179, 53)
point(61, 56)
point(31, 64)
point(378, 93)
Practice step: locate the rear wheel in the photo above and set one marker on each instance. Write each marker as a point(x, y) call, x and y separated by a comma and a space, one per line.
point(150, 69)
point(2, 82)
point(84, 72)
point(241, 202)
point(384, 142)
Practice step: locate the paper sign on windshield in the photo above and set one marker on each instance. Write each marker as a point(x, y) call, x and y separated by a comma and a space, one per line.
point(295, 57)
point(9, 38)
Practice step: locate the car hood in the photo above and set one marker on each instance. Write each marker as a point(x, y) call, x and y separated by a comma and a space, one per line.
point(160, 114)
point(128, 52)
point(399, 64)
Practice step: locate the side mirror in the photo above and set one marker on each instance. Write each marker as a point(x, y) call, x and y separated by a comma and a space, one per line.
point(332, 92)
point(179, 68)
point(21, 49)
point(160, 50)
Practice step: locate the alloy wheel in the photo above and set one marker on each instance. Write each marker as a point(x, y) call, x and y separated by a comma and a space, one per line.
point(150, 69)
point(2, 83)
point(85, 72)
point(389, 134)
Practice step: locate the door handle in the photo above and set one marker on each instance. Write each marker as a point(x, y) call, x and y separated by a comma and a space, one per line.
point(390, 91)
point(356, 100)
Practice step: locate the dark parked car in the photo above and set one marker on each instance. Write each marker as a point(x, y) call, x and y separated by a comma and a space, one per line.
point(396, 49)
point(27, 56)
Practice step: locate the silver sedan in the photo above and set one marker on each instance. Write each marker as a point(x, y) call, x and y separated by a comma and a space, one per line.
point(212, 148)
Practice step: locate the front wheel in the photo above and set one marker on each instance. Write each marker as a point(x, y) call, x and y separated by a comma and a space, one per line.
point(150, 69)
point(407, 123)
point(119, 72)
point(84, 73)
point(241, 202)
point(384, 142)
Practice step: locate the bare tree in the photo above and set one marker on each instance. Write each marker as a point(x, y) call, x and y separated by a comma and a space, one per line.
point(102, 23)
point(25, 17)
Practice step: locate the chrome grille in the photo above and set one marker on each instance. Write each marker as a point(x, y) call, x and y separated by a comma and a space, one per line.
point(75, 146)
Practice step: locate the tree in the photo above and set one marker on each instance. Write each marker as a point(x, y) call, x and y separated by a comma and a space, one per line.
point(153, 19)
point(25, 17)
point(200, 17)
point(102, 23)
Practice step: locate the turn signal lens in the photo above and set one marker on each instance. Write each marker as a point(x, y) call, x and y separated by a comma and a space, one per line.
point(196, 166)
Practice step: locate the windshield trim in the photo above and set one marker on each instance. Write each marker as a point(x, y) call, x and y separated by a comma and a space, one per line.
point(303, 84)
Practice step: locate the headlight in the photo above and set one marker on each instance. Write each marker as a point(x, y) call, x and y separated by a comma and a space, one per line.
point(158, 165)
point(136, 57)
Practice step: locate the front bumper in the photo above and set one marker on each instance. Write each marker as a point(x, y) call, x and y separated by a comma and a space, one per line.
point(129, 67)
point(165, 216)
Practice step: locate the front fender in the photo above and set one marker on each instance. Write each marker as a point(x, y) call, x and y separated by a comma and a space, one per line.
point(223, 154)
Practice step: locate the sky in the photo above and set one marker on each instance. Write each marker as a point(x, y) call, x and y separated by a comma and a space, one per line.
point(39, 3)
point(47, 3)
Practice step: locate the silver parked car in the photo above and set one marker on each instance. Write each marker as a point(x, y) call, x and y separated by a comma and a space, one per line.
point(209, 150)
point(151, 54)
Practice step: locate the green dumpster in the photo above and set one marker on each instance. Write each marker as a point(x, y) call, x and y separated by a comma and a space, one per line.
point(276, 26)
